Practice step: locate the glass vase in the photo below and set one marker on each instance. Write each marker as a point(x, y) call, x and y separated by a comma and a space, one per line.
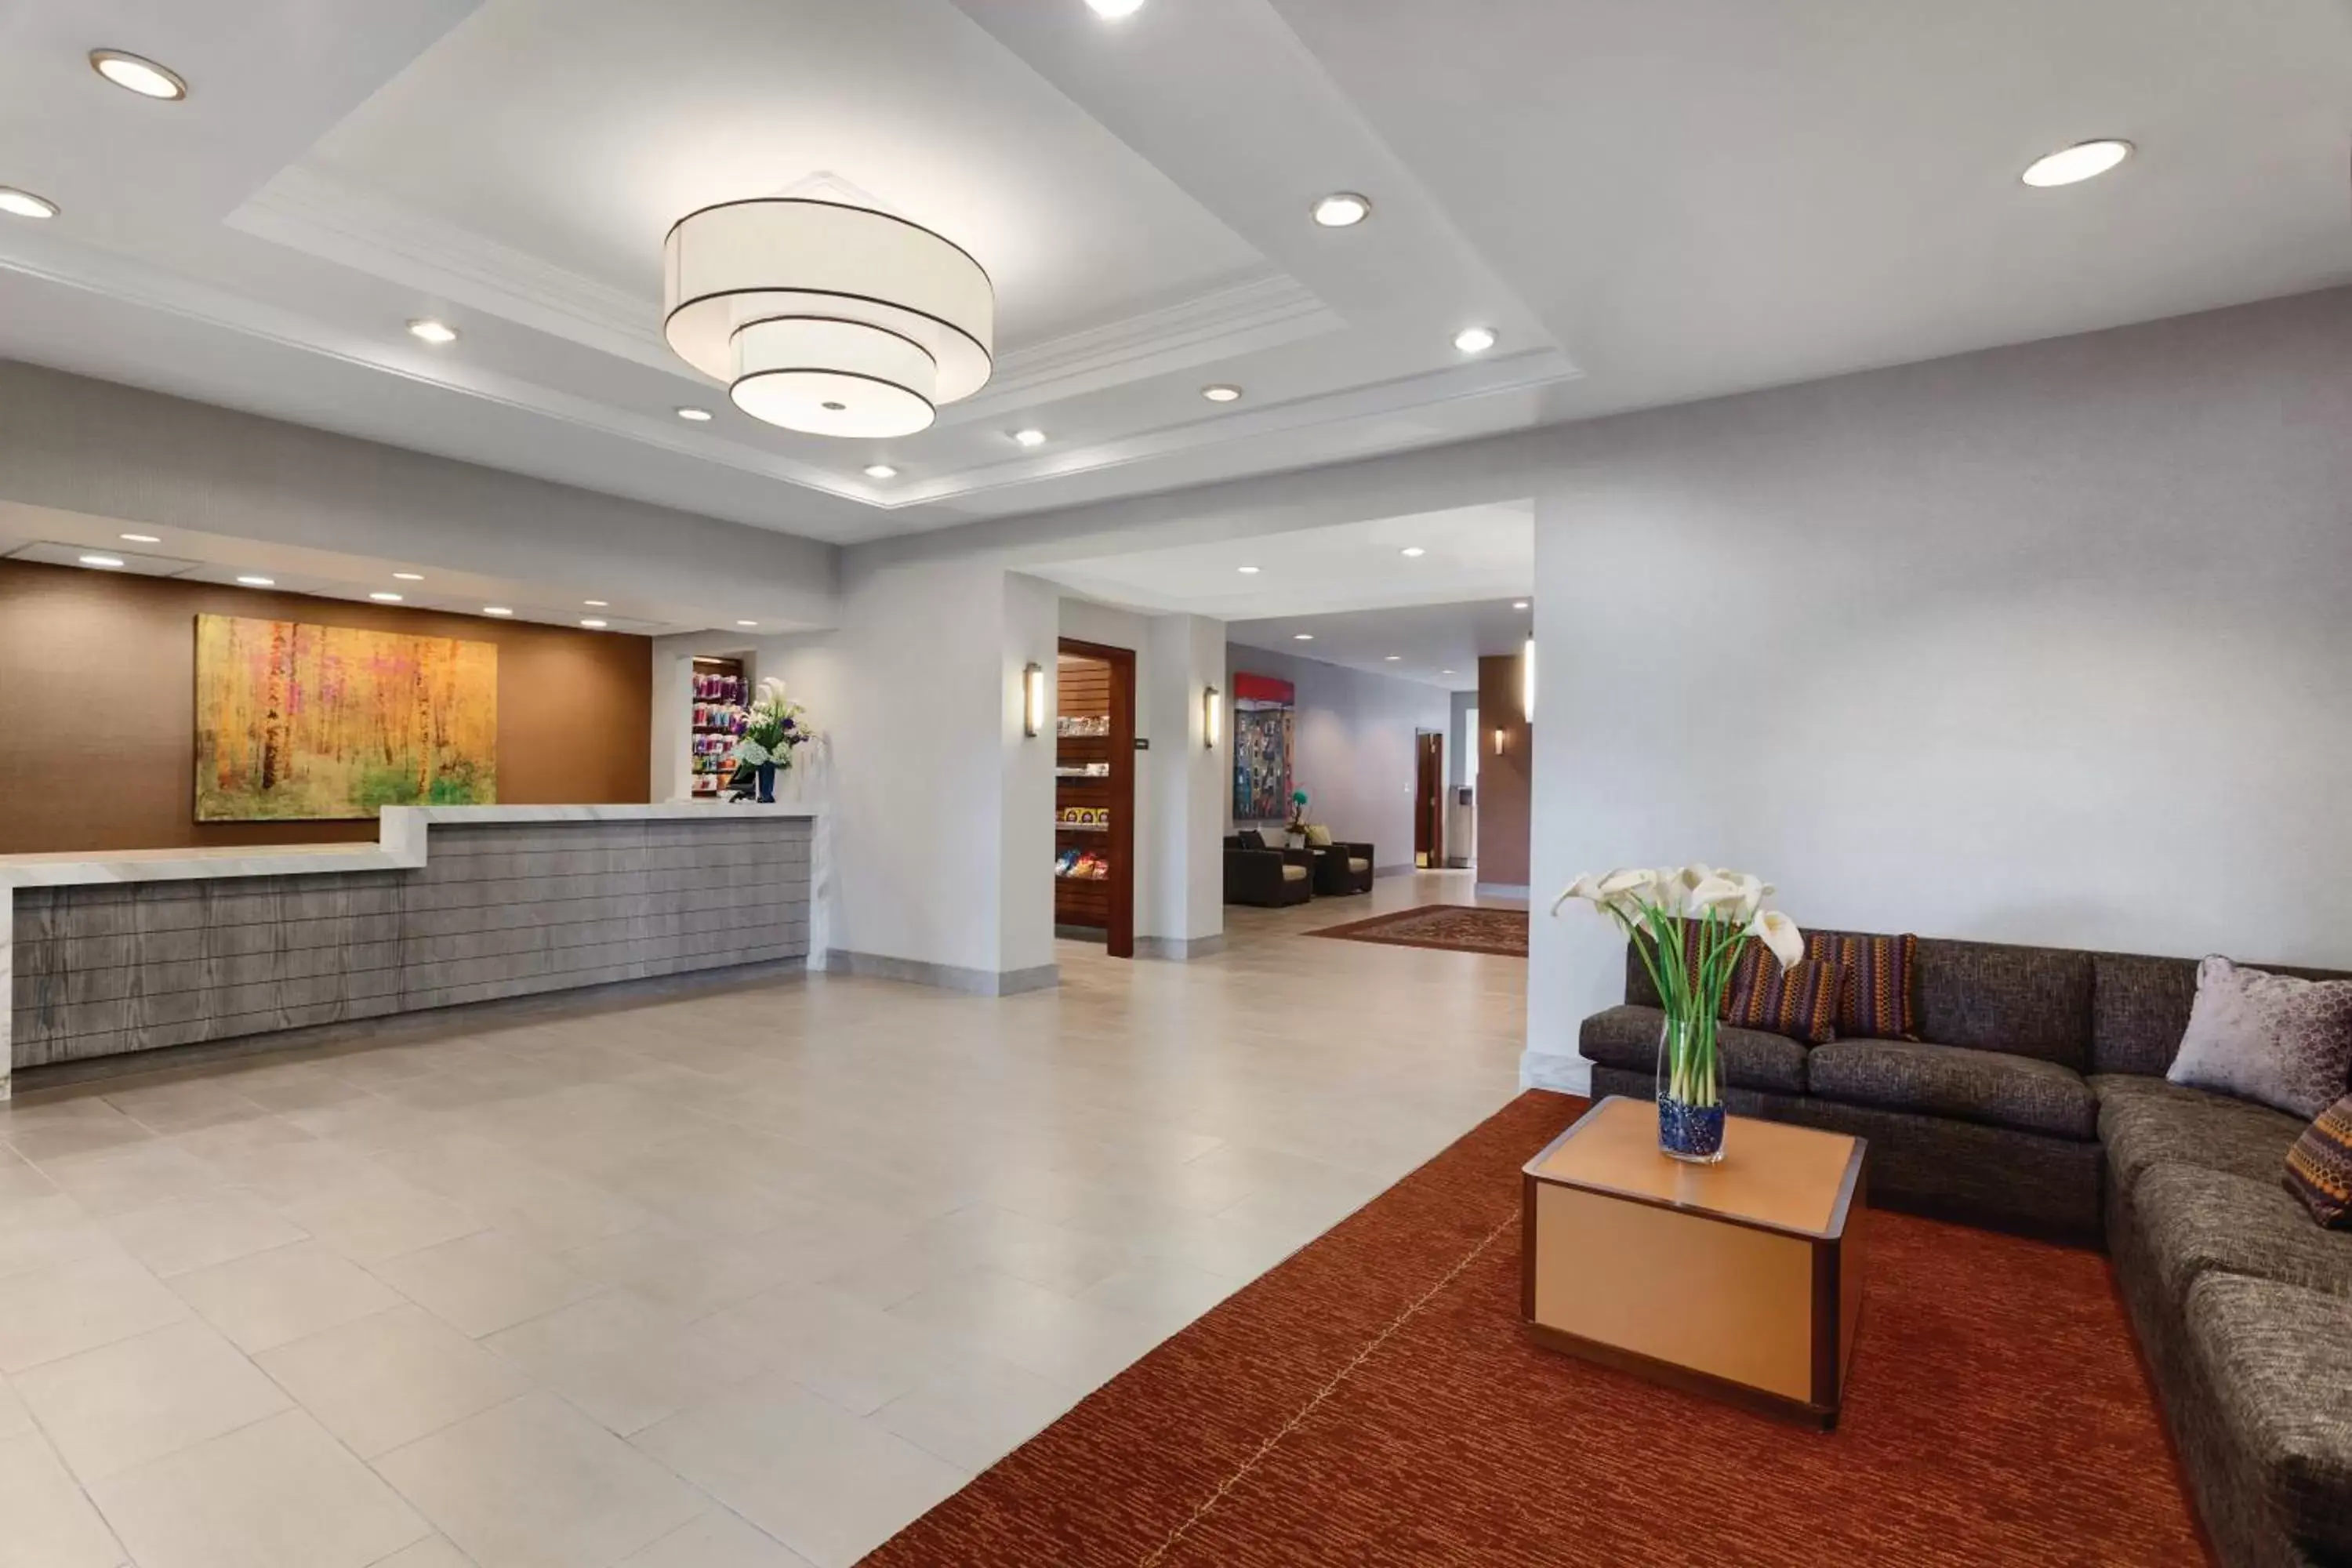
point(767, 783)
point(1690, 1092)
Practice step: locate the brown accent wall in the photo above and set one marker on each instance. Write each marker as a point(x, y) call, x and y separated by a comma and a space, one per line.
point(97, 709)
point(1504, 781)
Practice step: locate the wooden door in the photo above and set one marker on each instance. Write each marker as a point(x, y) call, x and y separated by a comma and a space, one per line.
point(1116, 687)
point(1429, 800)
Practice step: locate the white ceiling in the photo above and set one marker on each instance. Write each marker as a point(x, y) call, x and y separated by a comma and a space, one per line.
point(1471, 553)
point(1439, 645)
point(48, 537)
point(1652, 200)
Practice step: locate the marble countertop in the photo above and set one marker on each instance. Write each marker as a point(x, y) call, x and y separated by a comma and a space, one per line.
point(399, 846)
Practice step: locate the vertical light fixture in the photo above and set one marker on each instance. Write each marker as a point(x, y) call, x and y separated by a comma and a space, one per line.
point(1210, 709)
point(1498, 740)
point(1033, 698)
point(1528, 681)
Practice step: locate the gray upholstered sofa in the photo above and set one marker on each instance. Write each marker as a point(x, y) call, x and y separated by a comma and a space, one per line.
point(2035, 1102)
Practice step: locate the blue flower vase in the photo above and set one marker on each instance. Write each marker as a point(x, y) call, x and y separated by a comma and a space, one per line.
point(1690, 1097)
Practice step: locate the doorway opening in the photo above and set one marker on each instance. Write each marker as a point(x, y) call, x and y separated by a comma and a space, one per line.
point(1429, 799)
point(1093, 795)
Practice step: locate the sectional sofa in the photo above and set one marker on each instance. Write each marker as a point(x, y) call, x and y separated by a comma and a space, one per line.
point(2034, 1101)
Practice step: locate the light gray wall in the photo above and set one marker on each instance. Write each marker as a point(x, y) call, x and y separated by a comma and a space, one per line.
point(1458, 738)
point(94, 446)
point(1352, 749)
point(2050, 644)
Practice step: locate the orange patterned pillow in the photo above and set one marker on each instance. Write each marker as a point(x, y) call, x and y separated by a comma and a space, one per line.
point(1875, 1001)
point(2319, 1166)
point(1800, 1002)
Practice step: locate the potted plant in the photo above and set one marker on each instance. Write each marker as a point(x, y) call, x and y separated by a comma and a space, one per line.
point(1689, 925)
point(777, 727)
point(1297, 826)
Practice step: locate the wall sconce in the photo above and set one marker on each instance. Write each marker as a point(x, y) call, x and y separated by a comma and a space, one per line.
point(1498, 740)
point(1033, 698)
point(1211, 711)
point(1528, 681)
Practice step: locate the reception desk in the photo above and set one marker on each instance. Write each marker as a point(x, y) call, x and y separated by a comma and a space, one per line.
point(111, 953)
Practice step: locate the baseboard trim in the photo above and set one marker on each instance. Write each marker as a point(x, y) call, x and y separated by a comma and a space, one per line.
point(943, 976)
point(425, 1023)
point(1179, 949)
point(1549, 1069)
point(1498, 889)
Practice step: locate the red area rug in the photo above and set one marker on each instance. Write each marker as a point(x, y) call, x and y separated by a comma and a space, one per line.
point(1370, 1402)
point(1454, 928)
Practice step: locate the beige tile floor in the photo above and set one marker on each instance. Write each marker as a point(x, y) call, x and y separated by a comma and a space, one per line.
point(743, 1280)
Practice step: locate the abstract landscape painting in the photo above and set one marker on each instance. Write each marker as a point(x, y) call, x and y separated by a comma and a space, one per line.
point(299, 722)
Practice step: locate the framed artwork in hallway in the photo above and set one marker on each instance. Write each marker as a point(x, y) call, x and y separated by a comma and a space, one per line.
point(1263, 707)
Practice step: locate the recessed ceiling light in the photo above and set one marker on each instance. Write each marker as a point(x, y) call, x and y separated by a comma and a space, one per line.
point(1392, 658)
point(496, 610)
point(1246, 570)
point(597, 604)
point(408, 576)
point(593, 624)
point(1412, 552)
point(1221, 393)
point(259, 581)
point(107, 562)
point(1474, 339)
point(880, 471)
point(1030, 438)
point(2081, 162)
point(1518, 604)
point(139, 539)
point(698, 415)
point(385, 598)
point(1444, 672)
point(143, 77)
point(1112, 10)
point(747, 623)
point(24, 203)
point(1302, 636)
point(434, 331)
point(1342, 209)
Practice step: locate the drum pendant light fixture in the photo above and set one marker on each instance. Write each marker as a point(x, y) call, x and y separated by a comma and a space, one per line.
point(826, 317)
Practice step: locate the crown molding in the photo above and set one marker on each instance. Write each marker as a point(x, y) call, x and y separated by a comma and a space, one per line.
point(321, 214)
point(339, 220)
point(324, 217)
point(1241, 318)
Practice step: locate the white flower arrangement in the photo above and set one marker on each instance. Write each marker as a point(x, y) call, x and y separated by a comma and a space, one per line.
point(1673, 916)
point(777, 727)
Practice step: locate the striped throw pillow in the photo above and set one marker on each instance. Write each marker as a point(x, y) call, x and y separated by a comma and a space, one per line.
point(1875, 998)
point(2319, 1166)
point(1800, 1002)
point(1693, 941)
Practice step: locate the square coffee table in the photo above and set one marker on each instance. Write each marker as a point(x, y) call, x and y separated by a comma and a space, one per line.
point(1742, 1280)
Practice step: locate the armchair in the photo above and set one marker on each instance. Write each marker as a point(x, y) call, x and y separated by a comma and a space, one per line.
point(1268, 878)
point(1342, 867)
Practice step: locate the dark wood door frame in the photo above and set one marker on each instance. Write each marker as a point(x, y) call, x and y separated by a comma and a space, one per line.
point(1121, 660)
point(1428, 798)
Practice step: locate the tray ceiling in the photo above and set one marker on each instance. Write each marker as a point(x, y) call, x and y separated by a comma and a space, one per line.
point(1647, 203)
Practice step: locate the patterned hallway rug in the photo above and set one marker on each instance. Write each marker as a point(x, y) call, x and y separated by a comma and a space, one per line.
point(1455, 928)
point(1371, 1400)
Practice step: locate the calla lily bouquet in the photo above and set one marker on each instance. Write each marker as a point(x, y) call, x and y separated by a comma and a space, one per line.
point(778, 726)
point(1689, 925)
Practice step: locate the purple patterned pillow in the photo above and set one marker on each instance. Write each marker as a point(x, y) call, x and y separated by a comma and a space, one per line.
point(2269, 1037)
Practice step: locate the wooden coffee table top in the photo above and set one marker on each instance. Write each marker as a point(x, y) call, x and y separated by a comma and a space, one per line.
point(1772, 1176)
